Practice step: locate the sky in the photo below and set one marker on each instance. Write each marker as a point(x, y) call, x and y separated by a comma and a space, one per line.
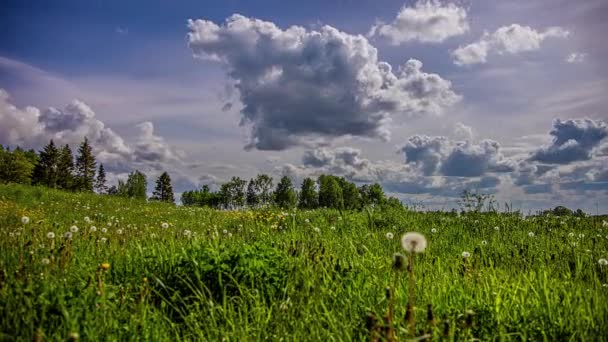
point(428, 98)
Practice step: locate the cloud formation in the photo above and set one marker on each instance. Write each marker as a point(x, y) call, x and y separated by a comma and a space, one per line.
point(576, 57)
point(573, 140)
point(512, 39)
point(428, 21)
point(299, 86)
point(442, 156)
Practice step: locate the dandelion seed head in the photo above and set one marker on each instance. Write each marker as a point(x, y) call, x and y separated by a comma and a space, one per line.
point(104, 230)
point(50, 235)
point(67, 235)
point(434, 231)
point(389, 235)
point(74, 229)
point(603, 262)
point(307, 221)
point(496, 228)
point(164, 225)
point(93, 229)
point(119, 231)
point(87, 219)
point(531, 234)
point(25, 220)
point(484, 242)
point(103, 239)
point(413, 242)
point(466, 255)
point(46, 261)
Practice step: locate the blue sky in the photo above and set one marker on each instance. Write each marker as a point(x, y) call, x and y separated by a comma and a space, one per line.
point(471, 98)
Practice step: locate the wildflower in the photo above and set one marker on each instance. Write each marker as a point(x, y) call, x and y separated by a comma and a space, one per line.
point(225, 231)
point(104, 230)
point(119, 231)
point(50, 235)
point(25, 220)
point(466, 254)
point(434, 231)
point(67, 235)
point(105, 266)
point(187, 232)
point(570, 234)
point(332, 228)
point(229, 234)
point(413, 242)
point(531, 234)
point(103, 239)
point(389, 235)
point(87, 219)
point(604, 285)
point(46, 261)
point(484, 242)
point(307, 221)
point(317, 230)
point(93, 229)
point(603, 262)
point(496, 228)
point(164, 225)
point(74, 229)
point(109, 224)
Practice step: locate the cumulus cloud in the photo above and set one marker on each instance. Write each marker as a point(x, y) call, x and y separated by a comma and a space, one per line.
point(442, 156)
point(573, 140)
point(31, 127)
point(512, 39)
point(428, 21)
point(299, 86)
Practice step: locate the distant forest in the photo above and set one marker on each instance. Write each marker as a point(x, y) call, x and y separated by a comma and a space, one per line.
point(57, 167)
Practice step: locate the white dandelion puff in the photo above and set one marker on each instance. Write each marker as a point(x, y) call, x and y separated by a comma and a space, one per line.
point(225, 231)
point(104, 230)
point(317, 230)
point(307, 221)
point(25, 220)
point(531, 234)
point(466, 255)
point(229, 234)
point(603, 262)
point(93, 229)
point(46, 261)
point(164, 225)
point(74, 229)
point(119, 231)
point(389, 235)
point(570, 234)
point(484, 242)
point(50, 235)
point(103, 240)
point(413, 242)
point(67, 235)
point(434, 231)
point(87, 219)
point(496, 228)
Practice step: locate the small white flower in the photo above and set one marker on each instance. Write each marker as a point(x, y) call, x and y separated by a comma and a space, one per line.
point(484, 242)
point(187, 232)
point(225, 231)
point(466, 254)
point(307, 221)
point(332, 228)
point(229, 234)
point(46, 261)
point(434, 231)
point(496, 228)
point(50, 235)
point(317, 230)
point(164, 225)
point(93, 229)
point(25, 220)
point(413, 242)
point(67, 235)
point(87, 219)
point(109, 224)
point(570, 234)
point(119, 231)
point(531, 234)
point(103, 239)
point(604, 285)
point(74, 229)
point(603, 262)
point(104, 230)
point(389, 235)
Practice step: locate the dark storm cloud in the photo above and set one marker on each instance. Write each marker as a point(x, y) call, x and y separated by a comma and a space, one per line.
point(573, 140)
point(298, 84)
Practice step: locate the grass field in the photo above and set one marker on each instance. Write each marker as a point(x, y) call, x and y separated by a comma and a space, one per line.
point(154, 272)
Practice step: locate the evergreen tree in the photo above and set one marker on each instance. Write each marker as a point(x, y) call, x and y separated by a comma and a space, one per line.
point(65, 168)
point(100, 181)
point(308, 195)
point(85, 166)
point(163, 190)
point(252, 194)
point(285, 195)
point(45, 172)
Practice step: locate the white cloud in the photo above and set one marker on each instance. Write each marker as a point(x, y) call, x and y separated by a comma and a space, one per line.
point(576, 57)
point(303, 87)
point(428, 21)
point(512, 39)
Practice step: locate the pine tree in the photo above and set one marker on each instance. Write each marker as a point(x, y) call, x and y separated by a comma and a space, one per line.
point(252, 193)
point(85, 166)
point(45, 172)
point(65, 168)
point(100, 181)
point(285, 195)
point(308, 195)
point(163, 191)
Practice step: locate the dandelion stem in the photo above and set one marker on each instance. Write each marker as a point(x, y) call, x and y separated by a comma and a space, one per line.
point(410, 303)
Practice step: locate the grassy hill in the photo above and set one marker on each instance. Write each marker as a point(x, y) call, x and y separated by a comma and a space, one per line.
point(106, 268)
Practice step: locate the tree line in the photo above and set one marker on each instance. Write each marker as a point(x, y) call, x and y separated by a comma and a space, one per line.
point(327, 191)
point(57, 167)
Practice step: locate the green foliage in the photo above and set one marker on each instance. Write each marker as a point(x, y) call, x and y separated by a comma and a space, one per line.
point(308, 198)
point(45, 172)
point(253, 199)
point(163, 191)
point(100, 181)
point(85, 167)
point(16, 166)
point(285, 195)
point(330, 192)
point(310, 275)
point(65, 169)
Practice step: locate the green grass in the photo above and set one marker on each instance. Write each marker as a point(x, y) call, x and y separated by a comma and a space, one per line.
point(272, 276)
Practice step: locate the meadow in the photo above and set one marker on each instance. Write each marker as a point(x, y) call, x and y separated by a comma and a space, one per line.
point(77, 266)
